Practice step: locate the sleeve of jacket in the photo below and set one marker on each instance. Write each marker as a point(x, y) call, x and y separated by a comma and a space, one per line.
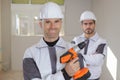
point(97, 58)
point(31, 71)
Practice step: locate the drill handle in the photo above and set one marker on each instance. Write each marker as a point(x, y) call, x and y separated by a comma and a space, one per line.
point(66, 57)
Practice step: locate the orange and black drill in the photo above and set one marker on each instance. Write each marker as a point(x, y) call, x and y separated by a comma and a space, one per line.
point(83, 73)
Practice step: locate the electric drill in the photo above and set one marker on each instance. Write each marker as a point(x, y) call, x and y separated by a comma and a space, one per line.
point(81, 74)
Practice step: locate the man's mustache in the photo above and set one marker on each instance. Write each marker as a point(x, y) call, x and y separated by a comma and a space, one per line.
point(88, 29)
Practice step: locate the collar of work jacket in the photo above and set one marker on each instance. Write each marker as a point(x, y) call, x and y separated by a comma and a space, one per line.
point(93, 38)
point(60, 43)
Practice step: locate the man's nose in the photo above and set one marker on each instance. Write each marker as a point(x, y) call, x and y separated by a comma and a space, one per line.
point(88, 25)
point(52, 25)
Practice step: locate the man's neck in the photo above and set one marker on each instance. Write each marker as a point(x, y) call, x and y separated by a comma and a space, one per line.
point(51, 44)
point(50, 39)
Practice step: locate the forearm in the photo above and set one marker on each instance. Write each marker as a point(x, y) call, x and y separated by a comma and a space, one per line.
point(97, 58)
point(94, 59)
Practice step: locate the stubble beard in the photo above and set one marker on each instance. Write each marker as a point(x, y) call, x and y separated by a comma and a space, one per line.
point(89, 31)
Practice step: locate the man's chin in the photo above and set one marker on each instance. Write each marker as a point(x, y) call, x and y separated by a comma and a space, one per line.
point(53, 36)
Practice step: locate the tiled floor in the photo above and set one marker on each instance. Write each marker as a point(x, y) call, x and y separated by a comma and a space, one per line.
point(11, 75)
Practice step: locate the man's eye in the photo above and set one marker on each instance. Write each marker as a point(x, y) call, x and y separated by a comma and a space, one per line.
point(47, 22)
point(91, 23)
point(57, 21)
point(88, 23)
point(85, 23)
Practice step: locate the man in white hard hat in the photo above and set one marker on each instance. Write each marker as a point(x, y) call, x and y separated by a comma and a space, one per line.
point(41, 61)
point(96, 48)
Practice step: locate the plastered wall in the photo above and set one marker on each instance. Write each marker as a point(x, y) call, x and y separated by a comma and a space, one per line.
point(6, 34)
point(0, 40)
point(108, 14)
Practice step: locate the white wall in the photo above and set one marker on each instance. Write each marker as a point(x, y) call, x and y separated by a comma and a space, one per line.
point(6, 33)
point(20, 43)
point(0, 38)
point(73, 9)
point(108, 14)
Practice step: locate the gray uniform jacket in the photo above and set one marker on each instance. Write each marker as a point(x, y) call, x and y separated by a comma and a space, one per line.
point(41, 62)
point(96, 51)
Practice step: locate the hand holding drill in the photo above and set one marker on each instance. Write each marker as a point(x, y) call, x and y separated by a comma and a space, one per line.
point(71, 58)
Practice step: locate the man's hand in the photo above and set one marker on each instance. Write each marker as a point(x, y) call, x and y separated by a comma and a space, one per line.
point(72, 67)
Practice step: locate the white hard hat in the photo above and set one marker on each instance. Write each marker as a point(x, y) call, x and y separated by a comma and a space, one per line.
point(87, 15)
point(51, 10)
